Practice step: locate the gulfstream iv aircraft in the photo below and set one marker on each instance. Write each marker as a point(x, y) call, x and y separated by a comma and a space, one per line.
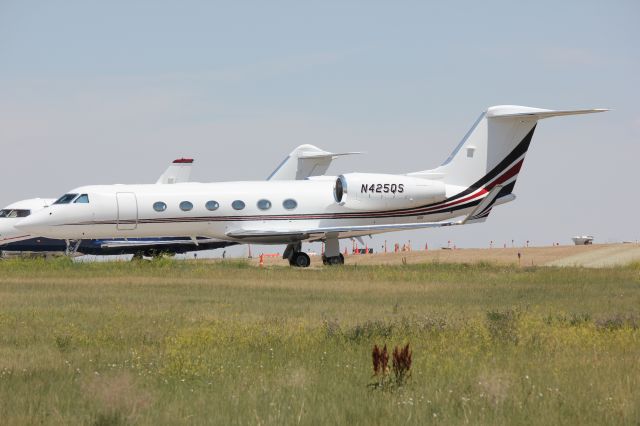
point(480, 173)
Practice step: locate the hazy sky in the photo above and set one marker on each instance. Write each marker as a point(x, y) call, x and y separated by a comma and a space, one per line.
point(110, 92)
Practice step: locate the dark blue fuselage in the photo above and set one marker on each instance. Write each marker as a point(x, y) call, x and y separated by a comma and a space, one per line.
point(100, 247)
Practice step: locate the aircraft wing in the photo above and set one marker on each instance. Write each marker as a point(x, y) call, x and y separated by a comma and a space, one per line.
point(178, 172)
point(281, 236)
point(305, 161)
point(478, 214)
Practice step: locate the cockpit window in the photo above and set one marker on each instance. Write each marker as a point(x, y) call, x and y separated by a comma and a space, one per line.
point(9, 213)
point(84, 199)
point(66, 199)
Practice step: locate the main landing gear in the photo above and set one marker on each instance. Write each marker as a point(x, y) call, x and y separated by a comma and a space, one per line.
point(152, 253)
point(300, 259)
point(296, 256)
point(333, 260)
point(332, 255)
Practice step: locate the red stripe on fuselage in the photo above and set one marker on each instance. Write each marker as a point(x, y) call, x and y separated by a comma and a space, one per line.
point(13, 238)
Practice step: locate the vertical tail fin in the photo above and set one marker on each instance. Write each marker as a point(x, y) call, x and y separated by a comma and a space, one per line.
point(493, 151)
point(178, 172)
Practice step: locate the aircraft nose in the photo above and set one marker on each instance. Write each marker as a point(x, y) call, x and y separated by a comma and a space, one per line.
point(36, 224)
point(9, 233)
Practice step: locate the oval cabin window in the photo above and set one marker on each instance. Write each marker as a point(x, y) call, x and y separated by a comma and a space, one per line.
point(289, 204)
point(212, 205)
point(185, 206)
point(264, 204)
point(238, 205)
point(159, 206)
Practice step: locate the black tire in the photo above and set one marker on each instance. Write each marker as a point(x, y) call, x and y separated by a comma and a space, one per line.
point(137, 256)
point(155, 253)
point(335, 260)
point(300, 260)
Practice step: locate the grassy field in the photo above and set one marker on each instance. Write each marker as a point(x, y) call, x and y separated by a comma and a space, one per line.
point(172, 342)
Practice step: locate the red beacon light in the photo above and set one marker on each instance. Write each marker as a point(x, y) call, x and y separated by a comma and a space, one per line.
point(183, 161)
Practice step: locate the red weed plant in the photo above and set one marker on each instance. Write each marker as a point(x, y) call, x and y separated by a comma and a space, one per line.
point(401, 366)
point(380, 359)
point(402, 363)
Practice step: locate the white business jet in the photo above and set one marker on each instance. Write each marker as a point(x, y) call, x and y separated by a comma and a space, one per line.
point(479, 174)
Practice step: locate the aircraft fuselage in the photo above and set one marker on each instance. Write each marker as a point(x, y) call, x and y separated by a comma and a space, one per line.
point(117, 210)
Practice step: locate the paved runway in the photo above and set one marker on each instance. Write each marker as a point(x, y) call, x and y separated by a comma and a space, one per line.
point(613, 255)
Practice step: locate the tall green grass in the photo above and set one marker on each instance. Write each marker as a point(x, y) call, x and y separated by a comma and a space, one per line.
point(169, 342)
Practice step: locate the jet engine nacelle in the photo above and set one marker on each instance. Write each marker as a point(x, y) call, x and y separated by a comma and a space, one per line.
point(369, 191)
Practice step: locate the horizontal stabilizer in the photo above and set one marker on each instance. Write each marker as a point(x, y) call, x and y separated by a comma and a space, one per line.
point(538, 113)
point(326, 154)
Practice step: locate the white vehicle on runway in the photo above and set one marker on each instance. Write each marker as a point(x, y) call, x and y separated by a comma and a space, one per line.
point(479, 174)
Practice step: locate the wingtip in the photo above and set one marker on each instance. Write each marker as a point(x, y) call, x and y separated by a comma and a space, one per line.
point(340, 154)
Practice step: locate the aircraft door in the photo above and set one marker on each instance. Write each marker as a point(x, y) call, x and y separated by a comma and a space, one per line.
point(127, 211)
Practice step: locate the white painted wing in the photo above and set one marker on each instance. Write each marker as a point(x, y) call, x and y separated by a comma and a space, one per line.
point(321, 233)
